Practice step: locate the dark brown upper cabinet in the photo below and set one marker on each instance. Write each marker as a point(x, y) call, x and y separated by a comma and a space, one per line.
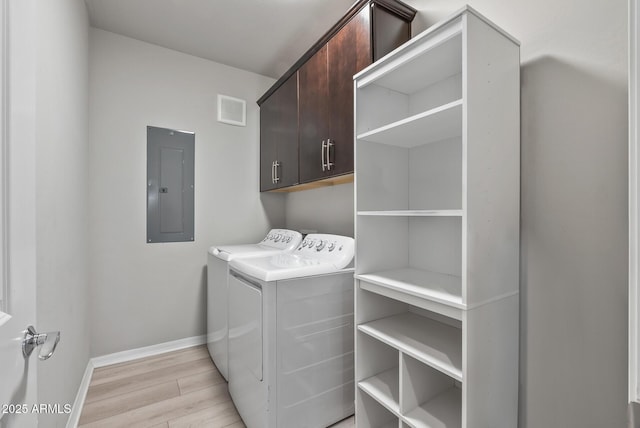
point(279, 137)
point(313, 116)
point(324, 122)
point(325, 101)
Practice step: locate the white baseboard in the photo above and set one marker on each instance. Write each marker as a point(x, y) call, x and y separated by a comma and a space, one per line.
point(148, 351)
point(121, 357)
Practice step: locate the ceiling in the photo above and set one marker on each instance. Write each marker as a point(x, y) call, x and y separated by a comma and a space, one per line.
point(263, 36)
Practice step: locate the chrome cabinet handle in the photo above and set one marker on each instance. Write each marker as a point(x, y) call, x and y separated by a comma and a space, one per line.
point(276, 164)
point(322, 155)
point(329, 163)
point(33, 339)
point(273, 172)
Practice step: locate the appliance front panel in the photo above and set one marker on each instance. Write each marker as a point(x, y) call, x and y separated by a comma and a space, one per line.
point(248, 391)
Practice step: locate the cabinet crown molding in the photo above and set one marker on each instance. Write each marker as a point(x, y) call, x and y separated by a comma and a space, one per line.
point(397, 7)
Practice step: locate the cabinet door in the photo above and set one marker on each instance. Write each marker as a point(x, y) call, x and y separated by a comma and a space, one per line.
point(314, 115)
point(268, 140)
point(349, 51)
point(287, 144)
point(279, 137)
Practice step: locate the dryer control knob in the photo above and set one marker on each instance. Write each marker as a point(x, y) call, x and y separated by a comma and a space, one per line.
point(332, 246)
point(321, 245)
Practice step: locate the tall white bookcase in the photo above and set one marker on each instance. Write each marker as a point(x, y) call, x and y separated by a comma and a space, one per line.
point(437, 230)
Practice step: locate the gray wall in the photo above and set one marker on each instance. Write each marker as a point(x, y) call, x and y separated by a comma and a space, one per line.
point(573, 205)
point(62, 172)
point(573, 365)
point(326, 210)
point(144, 294)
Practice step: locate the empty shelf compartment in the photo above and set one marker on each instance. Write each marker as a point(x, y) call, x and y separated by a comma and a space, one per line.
point(384, 389)
point(442, 411)
point(434, 343)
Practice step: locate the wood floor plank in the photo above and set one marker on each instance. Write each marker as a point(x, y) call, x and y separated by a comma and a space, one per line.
point(219, 421)
point(195, 350)
point(146, 379)
point(123, 370)
point(215, 416)
point(238, 424)
point(166, 410)
point(112, 406)
point(345, 423)
point(198, 381)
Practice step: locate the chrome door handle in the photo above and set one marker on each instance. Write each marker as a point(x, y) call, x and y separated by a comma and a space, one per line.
point(33, 339)
point(322, 155)
point(276, 164)
point(329, 163)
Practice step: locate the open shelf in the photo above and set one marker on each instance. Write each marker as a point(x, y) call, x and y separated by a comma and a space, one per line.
point(413, 213)
point(425, 180)
point(384, 388)
point(437, 287)
point(433, 61)
point(434, 343)
point(421, 255)
point(442, 411)
point(441, 123)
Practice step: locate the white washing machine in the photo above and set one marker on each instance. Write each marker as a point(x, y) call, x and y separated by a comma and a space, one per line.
point(277, 241)
point(291, 361)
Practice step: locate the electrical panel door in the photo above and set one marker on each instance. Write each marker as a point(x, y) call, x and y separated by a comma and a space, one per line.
point(170, 185)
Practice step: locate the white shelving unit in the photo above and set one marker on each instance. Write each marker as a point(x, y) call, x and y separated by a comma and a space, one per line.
point(437, 227)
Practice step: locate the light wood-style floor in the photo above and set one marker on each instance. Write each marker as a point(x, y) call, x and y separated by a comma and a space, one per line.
point(176, 389)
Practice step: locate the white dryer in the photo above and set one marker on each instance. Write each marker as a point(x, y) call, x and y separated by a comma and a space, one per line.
point(291, 361)
point(277, 241)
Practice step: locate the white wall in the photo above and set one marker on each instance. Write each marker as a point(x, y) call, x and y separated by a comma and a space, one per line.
point(573, 363)
point(62, 193)
point(143, 294)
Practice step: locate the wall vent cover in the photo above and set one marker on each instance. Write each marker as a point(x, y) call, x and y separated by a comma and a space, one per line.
point(232, 111)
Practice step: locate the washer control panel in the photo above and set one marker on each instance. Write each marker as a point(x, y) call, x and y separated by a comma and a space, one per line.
point(334, 249)
point(282, 238)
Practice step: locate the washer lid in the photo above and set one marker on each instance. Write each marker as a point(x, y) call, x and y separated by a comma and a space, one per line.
point(276, 241)
point(230, 252)
point(317, 255)
point(267, 269)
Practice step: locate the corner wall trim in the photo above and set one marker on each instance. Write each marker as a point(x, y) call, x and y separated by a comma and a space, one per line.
point(122, 357)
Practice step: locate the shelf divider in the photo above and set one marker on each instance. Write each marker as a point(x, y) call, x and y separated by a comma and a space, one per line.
point(437, 287)
point(413, 213)
point(437, 124)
